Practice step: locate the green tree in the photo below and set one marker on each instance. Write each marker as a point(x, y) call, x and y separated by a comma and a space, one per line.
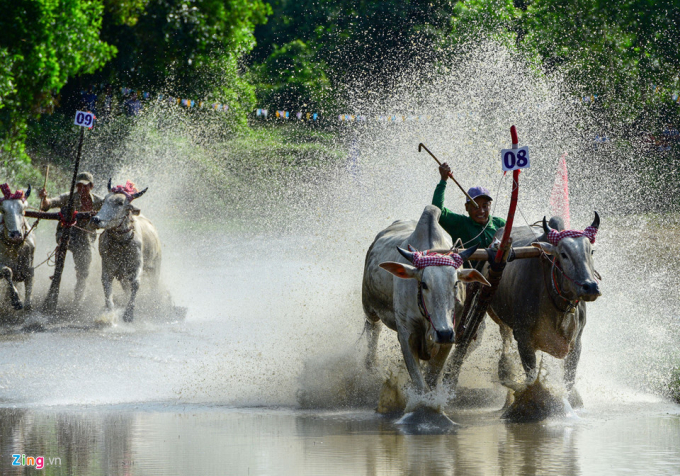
point(176, 42)
point(627, 52)
point(347, 41)
point(293, 78)
point(43, 43)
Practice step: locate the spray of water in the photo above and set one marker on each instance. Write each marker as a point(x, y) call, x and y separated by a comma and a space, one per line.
point(266, 249)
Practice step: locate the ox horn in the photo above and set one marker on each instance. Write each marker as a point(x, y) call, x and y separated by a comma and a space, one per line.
point(596, 221)
point(28, 191)
point(108, 186)
point(546, 227)
point(467, 253)
point(139, 194)
point(406, 254)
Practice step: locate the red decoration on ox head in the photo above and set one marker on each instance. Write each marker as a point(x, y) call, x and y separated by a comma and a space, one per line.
point(129, 190)
point(18, 195)
point(555, 236)
point(423, 259)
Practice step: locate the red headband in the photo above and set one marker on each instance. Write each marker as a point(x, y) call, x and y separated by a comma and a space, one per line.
point(18, 195)
point(555, 237)
point(423, 259)
point(128, 190)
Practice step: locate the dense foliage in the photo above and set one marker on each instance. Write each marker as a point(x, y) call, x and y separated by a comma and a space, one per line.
point(43, 44)
point(298, 55)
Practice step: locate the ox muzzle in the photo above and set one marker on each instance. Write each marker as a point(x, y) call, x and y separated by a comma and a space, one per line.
point(589, 291)
point(445, 336)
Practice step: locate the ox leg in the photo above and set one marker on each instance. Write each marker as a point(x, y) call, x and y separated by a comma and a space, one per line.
point(130, 308)
point(571, 363)
point(412, 363)
point(505, 373)
point(433, 374)
point(82, 257)
point(28, 290)
point(453, 372)
point(107, 284)
point(13, 293)
point(528, 356)
point(372, 329)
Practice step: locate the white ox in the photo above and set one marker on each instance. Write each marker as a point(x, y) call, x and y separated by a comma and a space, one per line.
point(129, 245)
point(17, 246)
point(425, 334)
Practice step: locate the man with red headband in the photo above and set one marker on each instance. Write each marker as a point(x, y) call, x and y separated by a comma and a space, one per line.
point(82, 234)
point(477, 228)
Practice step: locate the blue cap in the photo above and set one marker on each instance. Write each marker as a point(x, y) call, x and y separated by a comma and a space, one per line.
point(475, 192)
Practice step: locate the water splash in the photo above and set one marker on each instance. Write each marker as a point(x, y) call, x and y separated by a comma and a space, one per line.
point(267, 253)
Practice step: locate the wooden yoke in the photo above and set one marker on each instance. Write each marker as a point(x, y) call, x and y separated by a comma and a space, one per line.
point(55, 216)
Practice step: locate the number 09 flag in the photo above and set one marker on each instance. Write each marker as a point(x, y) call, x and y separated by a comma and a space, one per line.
point(84, 119)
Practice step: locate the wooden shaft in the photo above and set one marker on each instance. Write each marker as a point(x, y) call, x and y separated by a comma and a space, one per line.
point(50, 304)
point(520, 253)
point(422, 146)
point(54, 215)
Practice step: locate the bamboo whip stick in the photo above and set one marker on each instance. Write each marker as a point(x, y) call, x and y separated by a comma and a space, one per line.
point(422, 146)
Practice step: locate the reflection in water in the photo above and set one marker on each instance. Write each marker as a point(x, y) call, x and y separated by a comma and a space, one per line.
point(209, 440)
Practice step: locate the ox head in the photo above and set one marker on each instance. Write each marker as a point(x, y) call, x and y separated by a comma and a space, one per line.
point(439, 287)
point(13, 207)
point(573, 252)
point(117, 206)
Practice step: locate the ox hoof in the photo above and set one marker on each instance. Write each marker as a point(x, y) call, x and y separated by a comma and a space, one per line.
point(574, 399)
point(18, 305)
point(127, 317)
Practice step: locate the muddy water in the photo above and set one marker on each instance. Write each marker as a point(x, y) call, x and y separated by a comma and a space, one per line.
point(161, 439)
point(264, 375)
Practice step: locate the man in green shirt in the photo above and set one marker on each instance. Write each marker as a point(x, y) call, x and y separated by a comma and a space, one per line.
point(478, 228)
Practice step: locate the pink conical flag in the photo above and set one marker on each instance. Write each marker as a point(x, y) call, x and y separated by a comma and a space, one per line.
point(559, 198)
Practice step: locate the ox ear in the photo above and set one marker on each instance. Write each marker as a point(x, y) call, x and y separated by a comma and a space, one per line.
point(546, 247)
point(470, 275)
point(28, 192)
point(403, 271)
point(133, 209)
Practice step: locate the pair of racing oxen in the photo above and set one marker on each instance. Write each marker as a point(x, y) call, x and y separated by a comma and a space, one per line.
point(540, 301)
point(129, 245)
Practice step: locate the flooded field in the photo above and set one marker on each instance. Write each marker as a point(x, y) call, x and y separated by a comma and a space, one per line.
point(266, 377)
point(161, 439)
point(251, 359)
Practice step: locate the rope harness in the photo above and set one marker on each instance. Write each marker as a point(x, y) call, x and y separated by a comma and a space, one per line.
point(421, 305)
point(554, 284)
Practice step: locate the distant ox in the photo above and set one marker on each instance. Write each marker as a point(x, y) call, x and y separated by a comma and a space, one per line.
point(542, 301)
point(129, 245)
point(17, 246)
point(422, 306)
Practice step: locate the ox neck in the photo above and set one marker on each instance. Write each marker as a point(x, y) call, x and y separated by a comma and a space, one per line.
point(125, 230)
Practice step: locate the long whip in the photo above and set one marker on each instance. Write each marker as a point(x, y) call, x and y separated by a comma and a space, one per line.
point(422, 146)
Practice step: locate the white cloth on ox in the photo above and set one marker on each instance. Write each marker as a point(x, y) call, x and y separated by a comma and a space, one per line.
point(555, 237)
point(423, 259)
